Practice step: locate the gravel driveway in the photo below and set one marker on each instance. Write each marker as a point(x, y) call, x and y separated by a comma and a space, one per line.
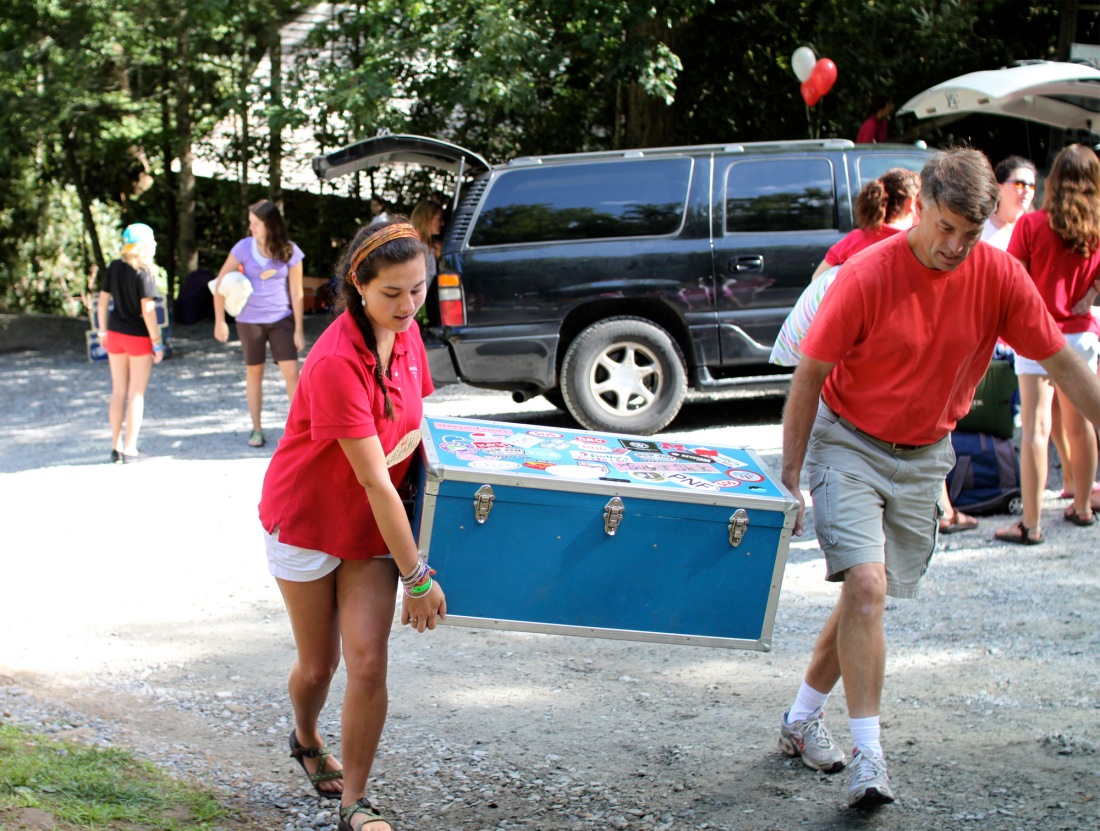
point(137, 611)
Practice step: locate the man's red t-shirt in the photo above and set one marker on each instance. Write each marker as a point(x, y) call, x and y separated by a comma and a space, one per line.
point(1061, 274)
point(911, 343)
point(310, 491)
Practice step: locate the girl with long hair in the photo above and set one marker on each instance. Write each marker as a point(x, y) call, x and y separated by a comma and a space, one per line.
point(351, 436)
point(273, 312)
point(1060, 247)
point(427, 218)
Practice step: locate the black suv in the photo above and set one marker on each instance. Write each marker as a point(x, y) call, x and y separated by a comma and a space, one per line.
point(611, 282)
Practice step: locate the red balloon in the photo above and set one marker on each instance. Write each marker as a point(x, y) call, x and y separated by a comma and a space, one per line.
point(824, 76)
point(809, 92)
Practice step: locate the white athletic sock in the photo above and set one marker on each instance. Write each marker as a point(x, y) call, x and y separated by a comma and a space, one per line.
point(807, 704)
point(866, 735)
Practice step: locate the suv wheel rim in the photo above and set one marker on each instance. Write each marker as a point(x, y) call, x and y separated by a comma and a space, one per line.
point(626, 379)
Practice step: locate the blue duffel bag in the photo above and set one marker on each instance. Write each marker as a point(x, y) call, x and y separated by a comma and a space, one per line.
point(986, 476)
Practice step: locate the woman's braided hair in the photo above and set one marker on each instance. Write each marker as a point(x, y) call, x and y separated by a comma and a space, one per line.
point(368, 256)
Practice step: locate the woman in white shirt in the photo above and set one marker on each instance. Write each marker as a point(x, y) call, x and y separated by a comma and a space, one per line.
point(1016, 181)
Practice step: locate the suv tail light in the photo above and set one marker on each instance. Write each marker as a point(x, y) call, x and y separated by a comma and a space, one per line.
point(452, 306)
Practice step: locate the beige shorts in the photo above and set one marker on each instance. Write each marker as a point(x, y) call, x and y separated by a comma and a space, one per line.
point(875, 504)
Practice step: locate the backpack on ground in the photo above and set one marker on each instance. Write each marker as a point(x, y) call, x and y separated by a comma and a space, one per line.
point(992, 410)
point(986, 476)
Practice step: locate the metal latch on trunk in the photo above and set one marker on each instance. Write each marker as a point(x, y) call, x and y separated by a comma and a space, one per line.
point(483, 503)
point(612, 515)
point(739, 523)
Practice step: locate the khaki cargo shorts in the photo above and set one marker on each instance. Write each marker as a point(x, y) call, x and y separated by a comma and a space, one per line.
point(874, 503)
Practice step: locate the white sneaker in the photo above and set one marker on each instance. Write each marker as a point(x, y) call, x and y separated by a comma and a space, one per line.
point(811, 740)
point(870, 783)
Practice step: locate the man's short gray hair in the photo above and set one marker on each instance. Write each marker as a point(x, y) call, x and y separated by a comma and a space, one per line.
point(962, 181)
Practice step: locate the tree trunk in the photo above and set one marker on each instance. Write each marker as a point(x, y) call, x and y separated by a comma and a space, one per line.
point(643, 120)
point(82, 192)
point(242, 138)
point(1067, 27)
point(187, 247)
point(171, 206)
point(275, 119)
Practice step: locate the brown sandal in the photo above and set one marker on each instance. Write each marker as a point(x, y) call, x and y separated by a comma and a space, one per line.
point(322, 755)
point(1071, 515)
point(364, 807)
point(958, 522)
point(1019, 534)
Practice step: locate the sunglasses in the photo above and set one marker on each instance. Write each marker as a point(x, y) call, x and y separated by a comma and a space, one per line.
point(1021, 186)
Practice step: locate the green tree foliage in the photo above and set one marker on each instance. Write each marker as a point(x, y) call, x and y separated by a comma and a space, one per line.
point(68, 131)
point(107, 101)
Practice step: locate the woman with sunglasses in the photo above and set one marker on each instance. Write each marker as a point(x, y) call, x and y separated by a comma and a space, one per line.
point(1016, 182)
point(1060, 247)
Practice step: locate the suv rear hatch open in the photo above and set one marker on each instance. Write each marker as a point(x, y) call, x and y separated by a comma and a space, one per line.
point(416, 150)
point(399, 149)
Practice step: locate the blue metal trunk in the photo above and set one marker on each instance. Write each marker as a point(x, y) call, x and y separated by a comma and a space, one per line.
point(551, 530)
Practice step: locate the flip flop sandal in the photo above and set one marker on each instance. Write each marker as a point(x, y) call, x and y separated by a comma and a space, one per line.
point(959, 522)
point(361, 807)
point(322, 754)
point(1071, 515)
point(1019, 534)
point(256, 439)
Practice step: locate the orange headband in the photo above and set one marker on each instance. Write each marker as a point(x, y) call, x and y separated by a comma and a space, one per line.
point(374, 241)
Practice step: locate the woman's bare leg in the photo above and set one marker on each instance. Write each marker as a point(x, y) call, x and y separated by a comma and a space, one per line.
point(1082, 448)
point(367, 594)
point(314, 621)
point(1036, 392)
point(141, 367)
point(120, 381)
point(290, 375)
point(254, 391)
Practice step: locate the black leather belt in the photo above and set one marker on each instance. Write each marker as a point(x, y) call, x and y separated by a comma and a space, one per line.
point(893, 445)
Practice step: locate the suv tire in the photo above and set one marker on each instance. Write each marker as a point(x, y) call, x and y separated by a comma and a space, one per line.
point(624, 375)
point(555, 397)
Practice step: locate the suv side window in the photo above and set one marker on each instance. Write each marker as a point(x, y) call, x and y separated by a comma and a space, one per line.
point(769, 195)
point(635, 198)
point(872, 166)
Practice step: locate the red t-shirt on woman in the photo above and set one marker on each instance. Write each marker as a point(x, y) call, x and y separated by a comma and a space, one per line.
point(310, 491)
point(1061, 274)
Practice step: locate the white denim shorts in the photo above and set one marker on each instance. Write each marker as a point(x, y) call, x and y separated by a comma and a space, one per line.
point(299, 565)
point(1085, 344)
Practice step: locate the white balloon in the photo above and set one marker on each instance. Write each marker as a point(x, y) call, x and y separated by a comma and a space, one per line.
point(802, 62)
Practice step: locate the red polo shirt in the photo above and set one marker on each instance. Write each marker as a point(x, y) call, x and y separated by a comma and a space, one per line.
point(310, 492)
